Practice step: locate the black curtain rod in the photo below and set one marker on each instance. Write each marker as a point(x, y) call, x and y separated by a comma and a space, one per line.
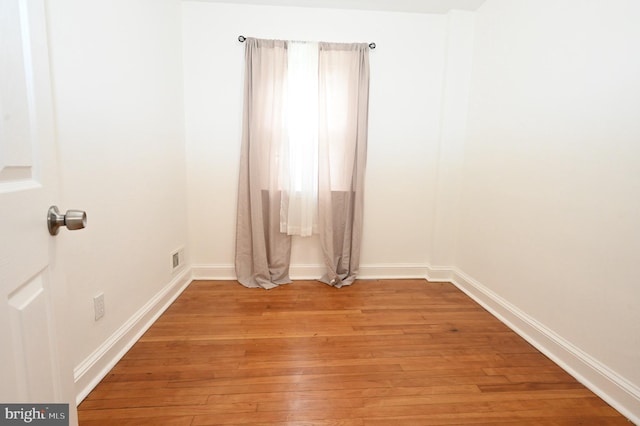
point(242, 38)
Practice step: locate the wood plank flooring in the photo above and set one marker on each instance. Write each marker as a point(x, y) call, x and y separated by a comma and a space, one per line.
point(388, 352)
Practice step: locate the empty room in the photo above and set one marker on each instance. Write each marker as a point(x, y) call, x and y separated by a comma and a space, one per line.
point(331, 212)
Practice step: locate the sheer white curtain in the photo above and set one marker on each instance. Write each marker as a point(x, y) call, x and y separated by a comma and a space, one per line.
point(299, 209)
point(303, 157)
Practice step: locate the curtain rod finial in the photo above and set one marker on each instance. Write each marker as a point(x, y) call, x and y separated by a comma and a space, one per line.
point(241, 38)
point(372, 46)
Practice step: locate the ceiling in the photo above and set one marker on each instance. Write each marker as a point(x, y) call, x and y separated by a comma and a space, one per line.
point(414, 6)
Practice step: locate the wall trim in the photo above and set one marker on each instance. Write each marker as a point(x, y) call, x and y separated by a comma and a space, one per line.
point(96, 366)
point(315, 271)
point(213, 272)
point(439, 274)
point(607, 384)
point(393, 271)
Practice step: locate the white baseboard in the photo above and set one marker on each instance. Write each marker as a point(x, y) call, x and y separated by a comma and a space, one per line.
point(393, 271)
point(608, 385)
point(306, 272)
point(439, 274)
point(213, 272)
point(312, 272)
point(97, 365)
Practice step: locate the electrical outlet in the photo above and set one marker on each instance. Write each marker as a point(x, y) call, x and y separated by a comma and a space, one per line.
point(98, 306)
point(175, 259)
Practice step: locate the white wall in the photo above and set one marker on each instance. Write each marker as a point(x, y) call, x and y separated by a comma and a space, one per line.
point(551, 197)
point(450, 156)
point(404, 123)
point(546, 224)
point(117, 79)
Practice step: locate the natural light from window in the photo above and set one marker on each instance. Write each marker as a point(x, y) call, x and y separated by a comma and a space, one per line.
point(301, 147)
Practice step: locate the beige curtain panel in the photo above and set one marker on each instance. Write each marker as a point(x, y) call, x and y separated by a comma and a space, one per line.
point(268, 174)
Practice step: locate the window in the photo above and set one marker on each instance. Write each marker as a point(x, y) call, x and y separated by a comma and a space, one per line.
point(299, 215)
point(303, 157)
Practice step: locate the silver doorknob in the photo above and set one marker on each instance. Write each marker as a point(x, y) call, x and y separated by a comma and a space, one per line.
point(72, 219)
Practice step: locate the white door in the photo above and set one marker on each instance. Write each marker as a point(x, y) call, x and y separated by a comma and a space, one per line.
point(33, 365)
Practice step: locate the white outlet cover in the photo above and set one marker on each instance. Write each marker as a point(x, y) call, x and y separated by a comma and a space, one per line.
point(98, 306)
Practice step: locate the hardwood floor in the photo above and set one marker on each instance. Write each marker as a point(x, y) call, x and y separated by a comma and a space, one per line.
point(393, 352)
